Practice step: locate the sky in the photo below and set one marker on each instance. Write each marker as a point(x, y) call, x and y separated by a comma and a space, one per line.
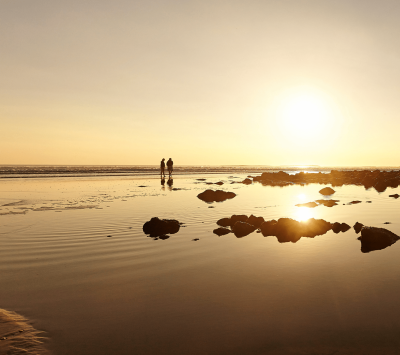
point(265, 82)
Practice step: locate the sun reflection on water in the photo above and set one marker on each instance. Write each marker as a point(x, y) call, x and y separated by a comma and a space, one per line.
point(303, 214)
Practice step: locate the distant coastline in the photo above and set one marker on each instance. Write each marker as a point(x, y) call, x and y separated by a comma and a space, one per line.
point(43, 171)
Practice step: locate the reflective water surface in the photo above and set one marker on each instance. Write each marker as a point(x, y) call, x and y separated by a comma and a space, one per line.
point(75, 260)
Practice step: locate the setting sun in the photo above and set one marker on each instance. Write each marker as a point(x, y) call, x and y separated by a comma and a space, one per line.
point(305, 114)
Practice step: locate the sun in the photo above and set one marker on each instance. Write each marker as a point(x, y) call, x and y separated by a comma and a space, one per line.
point(305, 114)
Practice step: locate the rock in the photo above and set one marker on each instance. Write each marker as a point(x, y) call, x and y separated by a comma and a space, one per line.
point(327, 191)
point(395, 195)
point(215, 196)
point(373, 238)
point(201, 179)
point(255, 221)
point(224, 222)
point(241, 229)
point(159, 227)
point(345, 227)
point(340, 227)
point(247, 181)
point(268, 228)
point(387, 223)
point(109, 236)
point(195, 239)
point(219, 183)
point(327, 203)
point(357, 227)
point(290, 230)
point(308, 204)
point(238, 217)
point(354, 202)
point(221, 231)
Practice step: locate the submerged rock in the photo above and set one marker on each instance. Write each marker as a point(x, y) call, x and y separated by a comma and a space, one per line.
point(354, 202)
point(160, 227)
point(373, 238)
point(221, 231)
point(247, 181)
point(327, 203)
point(215, 196)
point(395, 195)
point(326, 191)
point(308, 204)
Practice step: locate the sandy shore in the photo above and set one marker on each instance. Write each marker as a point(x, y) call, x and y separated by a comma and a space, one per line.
point(17, 336)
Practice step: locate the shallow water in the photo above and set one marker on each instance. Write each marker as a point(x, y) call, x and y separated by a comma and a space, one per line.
point(130, 294)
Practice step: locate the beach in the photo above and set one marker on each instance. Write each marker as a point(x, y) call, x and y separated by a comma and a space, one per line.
point(75, 262)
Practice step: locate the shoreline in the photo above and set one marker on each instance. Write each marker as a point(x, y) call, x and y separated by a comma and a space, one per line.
point(17, 336)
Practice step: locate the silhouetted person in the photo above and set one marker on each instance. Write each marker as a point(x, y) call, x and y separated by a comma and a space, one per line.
point(162, 166)
point(170, 165)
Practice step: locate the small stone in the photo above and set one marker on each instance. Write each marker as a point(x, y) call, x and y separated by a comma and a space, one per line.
point(196, 239)
point(109, 236)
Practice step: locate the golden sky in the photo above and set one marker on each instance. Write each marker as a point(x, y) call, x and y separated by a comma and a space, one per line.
point(271, 82)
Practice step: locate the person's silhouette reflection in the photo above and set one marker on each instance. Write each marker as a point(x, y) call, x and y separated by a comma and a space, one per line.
point(170, 182)
point(163, 183)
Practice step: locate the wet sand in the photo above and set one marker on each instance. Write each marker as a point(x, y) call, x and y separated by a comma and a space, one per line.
point(77, 263)
point(18, 337)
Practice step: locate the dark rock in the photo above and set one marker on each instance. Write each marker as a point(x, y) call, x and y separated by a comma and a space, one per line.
point(247, 182)
point(373, 238)
point(336, 227)
point(340, 227)
point(221, 231)
point(354, 202)
point(241, 229)
point(238, 218)
point(201, 179)
point(357, 227)
point(387, 223)
point(327, 191)
point(308, 204)
point(195, 239)
point(224, 222)
point(160, 227)
point(327, 203)
point(109, 236)
point(268, 228)
point(215, 196)
point(395, 195)
point(219, 183)
point(345, 227)
point(255, 221)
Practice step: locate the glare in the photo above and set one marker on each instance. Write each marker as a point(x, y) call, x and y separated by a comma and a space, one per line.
point(305, 115)
point(302, 197)
point(303, 214)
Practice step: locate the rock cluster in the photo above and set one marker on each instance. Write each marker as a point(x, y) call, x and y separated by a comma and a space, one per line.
point(380, 180)
point(285, 229)
point(215, 196)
